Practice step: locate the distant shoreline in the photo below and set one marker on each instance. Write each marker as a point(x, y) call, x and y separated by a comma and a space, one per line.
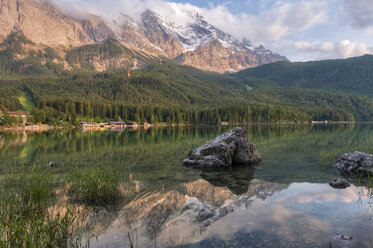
point(43, 128)
point(31, 128)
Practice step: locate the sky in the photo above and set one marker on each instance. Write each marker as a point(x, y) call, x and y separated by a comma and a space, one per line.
point(301, 30)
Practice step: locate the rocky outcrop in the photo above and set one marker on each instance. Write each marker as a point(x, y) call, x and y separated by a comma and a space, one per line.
point(229, 148)
point(156, 30)
point(219, 58)
point(339, 183)
point(41, 23)
point(355, 164)
point(201, 45)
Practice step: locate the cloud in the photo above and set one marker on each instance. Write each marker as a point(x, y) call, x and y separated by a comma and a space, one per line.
point(282, 18)
point(312, 47)
point(358, 13)
point(272, 24)
point(341, 49)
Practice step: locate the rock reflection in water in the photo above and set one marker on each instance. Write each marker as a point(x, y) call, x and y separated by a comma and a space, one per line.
point(236, 178)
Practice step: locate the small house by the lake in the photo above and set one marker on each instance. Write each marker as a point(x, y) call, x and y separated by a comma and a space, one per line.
point(17, 115)
point(133, 124)
point(117, 124)
point(145, 124)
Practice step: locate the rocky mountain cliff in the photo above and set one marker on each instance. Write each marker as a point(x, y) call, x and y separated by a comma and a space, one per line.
point(198, 44)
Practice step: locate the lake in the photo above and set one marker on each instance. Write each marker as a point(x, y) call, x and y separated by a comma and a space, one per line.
point(285, 201)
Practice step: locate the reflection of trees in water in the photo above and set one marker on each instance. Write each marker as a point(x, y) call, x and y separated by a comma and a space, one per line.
point(271, 133)
point(2, 141)
point(152, 155)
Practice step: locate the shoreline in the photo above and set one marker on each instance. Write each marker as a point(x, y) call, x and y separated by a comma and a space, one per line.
point(31, 128)
point(43, 128)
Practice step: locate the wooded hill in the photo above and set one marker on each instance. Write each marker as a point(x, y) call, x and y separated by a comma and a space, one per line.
point(279, 92)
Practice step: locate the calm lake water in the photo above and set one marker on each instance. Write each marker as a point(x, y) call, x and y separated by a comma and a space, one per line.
point(284, 202)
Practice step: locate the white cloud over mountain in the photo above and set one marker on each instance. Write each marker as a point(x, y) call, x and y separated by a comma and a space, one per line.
point(280, 20)
point(273, 21)
point(328, 50)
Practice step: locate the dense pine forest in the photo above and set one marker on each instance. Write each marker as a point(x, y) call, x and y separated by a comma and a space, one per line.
point(335, 90)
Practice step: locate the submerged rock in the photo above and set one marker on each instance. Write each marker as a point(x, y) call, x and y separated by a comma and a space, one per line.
point(346, 242)
point(51, 165)
point(229, 148)
point(339, 183)
point(355, 164)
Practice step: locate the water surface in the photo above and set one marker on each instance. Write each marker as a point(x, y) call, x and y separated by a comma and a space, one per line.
point(283, 202)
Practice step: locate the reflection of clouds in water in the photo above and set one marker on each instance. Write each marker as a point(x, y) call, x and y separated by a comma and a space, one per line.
point(202, 212)
point(320, 193)
point(275, 220)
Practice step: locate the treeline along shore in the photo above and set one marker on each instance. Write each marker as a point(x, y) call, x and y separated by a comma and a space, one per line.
point(116, 116)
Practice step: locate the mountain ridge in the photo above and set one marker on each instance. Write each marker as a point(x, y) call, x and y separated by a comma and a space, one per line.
point(353, 75)
point(198, 44)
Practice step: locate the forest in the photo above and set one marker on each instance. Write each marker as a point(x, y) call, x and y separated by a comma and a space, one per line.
point(171, 93)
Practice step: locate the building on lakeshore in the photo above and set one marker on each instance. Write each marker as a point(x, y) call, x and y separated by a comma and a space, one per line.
point(319, 122)
point(117, 124)
point(18, 115)
point(133, 124)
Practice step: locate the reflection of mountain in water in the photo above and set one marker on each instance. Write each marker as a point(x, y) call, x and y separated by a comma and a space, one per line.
point(192, 209)
point(267, 215)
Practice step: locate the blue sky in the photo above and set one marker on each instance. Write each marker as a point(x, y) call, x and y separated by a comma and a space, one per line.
point(302, 30)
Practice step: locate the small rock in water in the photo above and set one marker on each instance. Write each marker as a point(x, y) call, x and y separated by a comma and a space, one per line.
point(347, 242)
point(229, 148)
point(343, 237)
point(339, 183)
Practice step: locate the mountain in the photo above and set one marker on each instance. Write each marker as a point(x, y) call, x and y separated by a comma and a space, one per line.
point(342, 83)
point(353, 75)
point(198, 43)
point(202, 45)
point(41, 23)
point(77, 66)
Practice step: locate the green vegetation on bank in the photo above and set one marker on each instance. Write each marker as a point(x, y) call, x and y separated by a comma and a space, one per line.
point(94, 186)
point(28, 217)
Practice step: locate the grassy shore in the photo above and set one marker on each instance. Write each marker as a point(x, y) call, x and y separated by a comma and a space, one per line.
point(31, 217)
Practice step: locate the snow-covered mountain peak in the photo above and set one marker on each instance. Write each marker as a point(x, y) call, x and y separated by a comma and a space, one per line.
point(197, 33)
point(198, 36)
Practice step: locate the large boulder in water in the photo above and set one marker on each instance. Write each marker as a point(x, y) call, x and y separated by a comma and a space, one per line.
point(229, 148)
point(355, 164)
